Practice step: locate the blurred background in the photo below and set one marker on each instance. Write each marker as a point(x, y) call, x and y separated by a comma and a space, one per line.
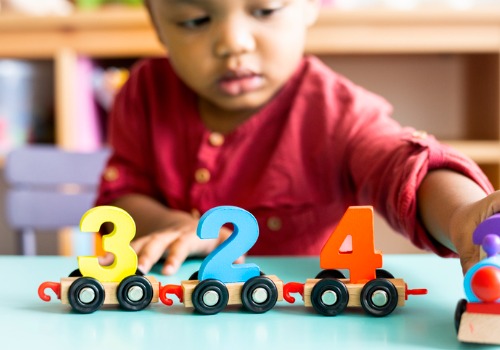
point(436, 61)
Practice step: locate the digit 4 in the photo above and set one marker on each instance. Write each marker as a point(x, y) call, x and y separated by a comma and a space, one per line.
point(361, 260)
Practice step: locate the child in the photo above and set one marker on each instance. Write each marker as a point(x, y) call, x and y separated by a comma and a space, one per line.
point(237, 116)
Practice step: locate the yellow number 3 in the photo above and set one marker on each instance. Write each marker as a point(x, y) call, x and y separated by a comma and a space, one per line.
point(117, 243)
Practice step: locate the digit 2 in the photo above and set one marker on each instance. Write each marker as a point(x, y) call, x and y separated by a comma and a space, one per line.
point(219, 264)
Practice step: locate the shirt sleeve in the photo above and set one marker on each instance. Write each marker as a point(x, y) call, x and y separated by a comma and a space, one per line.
point(387, 164)
point(129, 169)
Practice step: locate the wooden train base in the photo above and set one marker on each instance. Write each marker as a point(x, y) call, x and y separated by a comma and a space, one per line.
point(258, 294)
point(331, 296)
point(478, 322)
point(86, 294)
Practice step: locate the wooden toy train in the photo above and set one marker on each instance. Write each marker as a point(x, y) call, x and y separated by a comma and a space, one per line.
point(219, 282)
point(477, 318)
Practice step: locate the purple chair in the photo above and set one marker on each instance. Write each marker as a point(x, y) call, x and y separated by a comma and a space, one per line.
point(49, 189)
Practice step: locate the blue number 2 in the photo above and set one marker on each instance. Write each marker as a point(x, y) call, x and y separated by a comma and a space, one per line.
point(219, 264)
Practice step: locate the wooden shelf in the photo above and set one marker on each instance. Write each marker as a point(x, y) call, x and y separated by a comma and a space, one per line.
point(419, 31)
point(105, 33)
point(484, 152)
point(124, 32)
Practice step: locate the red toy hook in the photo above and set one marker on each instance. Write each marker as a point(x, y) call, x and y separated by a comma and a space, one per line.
point(170, 289)
point(55, 286)
point(418, 291)
point(293, 287)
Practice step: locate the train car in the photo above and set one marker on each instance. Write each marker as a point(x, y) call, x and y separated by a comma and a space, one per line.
point(92, 285)
point(368, 286)
point(219, 282)
point(477, 318)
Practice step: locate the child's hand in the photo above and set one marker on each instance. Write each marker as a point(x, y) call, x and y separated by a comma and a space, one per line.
point(464, 221)
point(179, 240)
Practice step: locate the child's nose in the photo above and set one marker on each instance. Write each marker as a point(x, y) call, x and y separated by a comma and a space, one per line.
point(234, 37)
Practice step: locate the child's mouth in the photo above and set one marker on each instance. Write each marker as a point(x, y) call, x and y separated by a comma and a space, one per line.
point(234, 84)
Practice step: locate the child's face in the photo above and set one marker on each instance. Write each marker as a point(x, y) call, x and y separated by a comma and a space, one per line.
point(235, 54)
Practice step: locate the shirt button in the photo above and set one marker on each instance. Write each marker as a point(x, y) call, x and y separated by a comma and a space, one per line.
point(202, 176)
point(274, 223)
point(419, 134)
point(111, 174)
point(216, 139)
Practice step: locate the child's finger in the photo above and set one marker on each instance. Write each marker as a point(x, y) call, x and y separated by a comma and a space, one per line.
point(177, 254)
point(240, 260)
point(107, 259)
point(153, 250)
point(137, 244)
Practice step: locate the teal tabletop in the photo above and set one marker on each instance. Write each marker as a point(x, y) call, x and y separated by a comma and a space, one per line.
point(425, 322)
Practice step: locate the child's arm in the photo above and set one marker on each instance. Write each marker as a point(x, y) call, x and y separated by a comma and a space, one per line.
point(451, 206)
point(160, 230)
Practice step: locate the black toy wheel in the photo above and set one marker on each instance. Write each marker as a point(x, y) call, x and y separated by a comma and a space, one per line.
point(329, 297)
point(194, 276)
point(78, 273)
point(259, 294)
point(75, 273)
point(210, 297)
point(381, 273)
point(330, 274)
point(134, 293)
point(379, 297)
point(459, 311)
point(86, 295)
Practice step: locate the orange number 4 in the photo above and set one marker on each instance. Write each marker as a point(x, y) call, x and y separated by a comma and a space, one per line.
point(361, 260)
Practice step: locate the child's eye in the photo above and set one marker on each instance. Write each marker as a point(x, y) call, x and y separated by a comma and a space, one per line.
point(195, 22)
point(266, 12)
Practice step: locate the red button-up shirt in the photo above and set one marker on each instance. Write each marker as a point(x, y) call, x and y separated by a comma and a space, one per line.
point(321, 145)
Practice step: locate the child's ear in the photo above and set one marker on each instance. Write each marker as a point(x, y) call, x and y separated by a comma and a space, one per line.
point(312, 11)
